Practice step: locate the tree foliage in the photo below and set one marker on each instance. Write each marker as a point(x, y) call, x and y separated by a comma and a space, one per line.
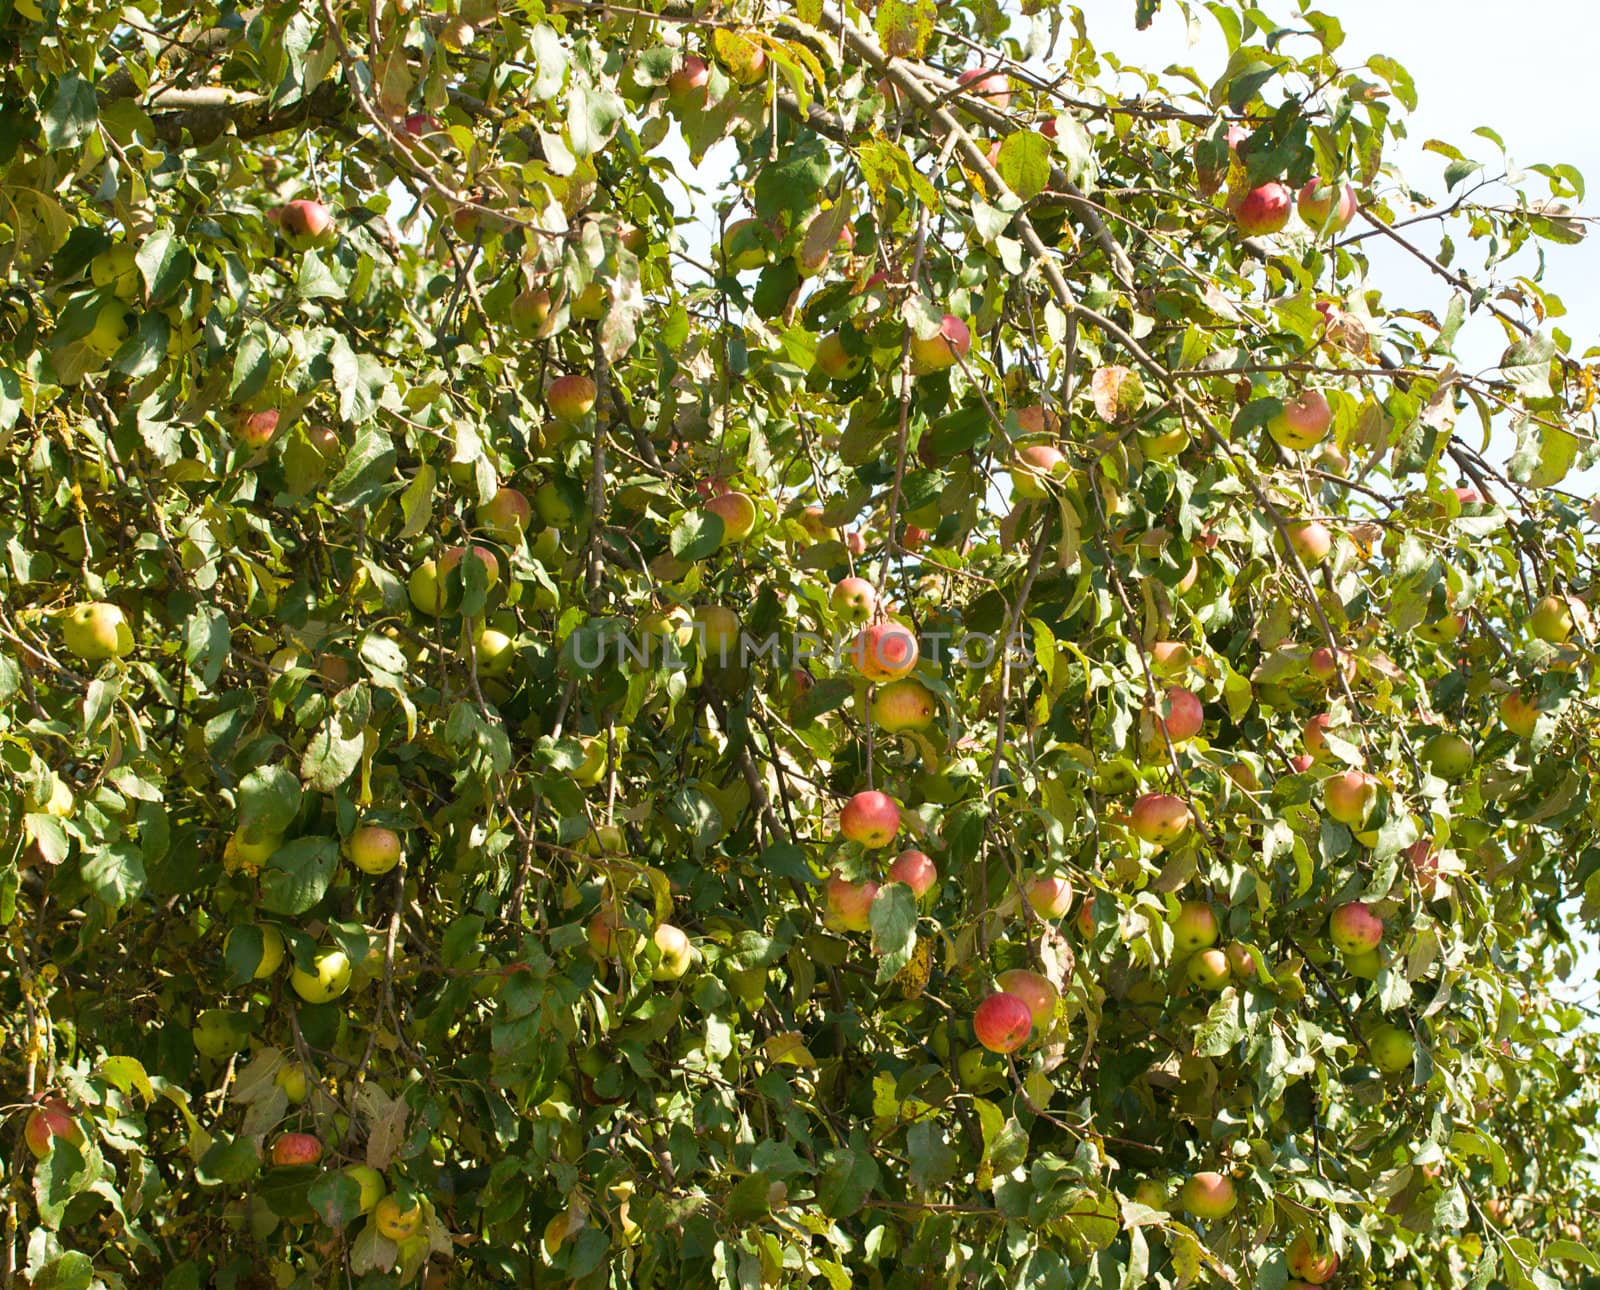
point(310, 534)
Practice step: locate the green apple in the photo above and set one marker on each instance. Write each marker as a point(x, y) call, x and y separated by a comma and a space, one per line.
point(291, 1078)
point(271, 951)
point(219, 1033)
point(96, 630)
point(1392, 1049)
point(329, 978)
point(109, 331)
point(117, 269)
point(371, 1183)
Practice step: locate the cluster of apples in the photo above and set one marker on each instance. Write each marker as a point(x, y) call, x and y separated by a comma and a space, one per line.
point(392, 1216)
point(1325, 206)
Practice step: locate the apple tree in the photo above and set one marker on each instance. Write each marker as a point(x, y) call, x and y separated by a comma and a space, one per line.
point(782, 645)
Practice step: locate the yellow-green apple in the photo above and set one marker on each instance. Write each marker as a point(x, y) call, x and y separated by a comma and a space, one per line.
point(1050, 895)
point(676, 954)
point(505, 516)
point(1194, 927)
point(271, 951)
point(530, 309)
point(870, 818)
point(1169, 658)
point(96, 630)
point(1314, 735)
point(1002, 1023)
point(836, 362)
point(718, 629)
point(686, 87)
point(570, 398)
point(553, 509)
point(1392, 1049)
point(109, 331)
point(397, 1222)
point(1449, 755)
point(1310, 540)
point(986, 84)
point(906, 704)
point(328, 979)
point(1209, 970)
point(425, 586)
point(1551, 620)
point(291, 1078)
point(1163, 443)
point(1442, 630)
point(373, 849)
point(1208, 1195)
point(816, 527)
point(951, 342)
point(219, 1033)
point(1160, 818)
point(589, 303)
point(1364, 966)
point(1351, 796)
point(1354, 928)
point(1264, 210)
point(1240, 961)
point(744, 244)
point(737, 513)
point(1327, 208)
point(118, 269)
point(853, 599)
point(916, 870)
point(1303, 422)
point(495, 652)
point(1181, 714)
point(884, 651)
point(48, 1121)
point(1036, 991)
point(246, 851)
point(1032, 468)
point(849, 904)
point(1152, 1193)
point(1519, 714)
point(371, 1185)
point(296, 1149)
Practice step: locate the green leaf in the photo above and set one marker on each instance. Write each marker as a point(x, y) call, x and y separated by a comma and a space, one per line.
point(1223, 1027)
point(314, 281)
point(269, 798)
point(228, 1161)
point(298, 875)
point(115, 873)
point(165, 264)
point(933, 1161)
point(697, 535)
point(894, 928)
point(128, 1073)
point(1024, 163)
point(208, 641)
point(72, 1270)
point(70, 114)
point(336, 1197)
point(849, 1175)
point(332, 753)
point(367, 470)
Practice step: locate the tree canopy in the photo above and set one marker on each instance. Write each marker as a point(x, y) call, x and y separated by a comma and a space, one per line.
point(973, 704)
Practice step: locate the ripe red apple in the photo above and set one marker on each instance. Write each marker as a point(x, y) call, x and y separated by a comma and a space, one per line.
point(1311, 1260)
point(296, 1149)
point(913, 538)
point(1160, 818)
point(1304, 421)
point(570, 398)
point(1327, 208)
point(46, 1122)
point(941, 350)
point(686, 87)
point(1424, 861)
point(1038, 992)
point(1208, 1195)
point(1182, 714)
point(1351, 796)
point(855, 543)
point(916, 870)
point(1264, 210)
point(849, 904)
point(1310, 539)
point(1519, 714)
point(1208, 970)
point(255, 429)
point(1034, 465)
point(1325, 664)
point(870, 818)
point(1194, 927)
point(989, 85)
point(1301, 763)
point(854, 599)
point(302, 219)
point(1037, 419)
point(1050, 896)
point(737, 512)
point(1085, 919)
point(834, 361)
point(884, 651)
point(418, 124)
point(505, 515)
point(1354, 928)
point(1002, 1023)
point(906, 704)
